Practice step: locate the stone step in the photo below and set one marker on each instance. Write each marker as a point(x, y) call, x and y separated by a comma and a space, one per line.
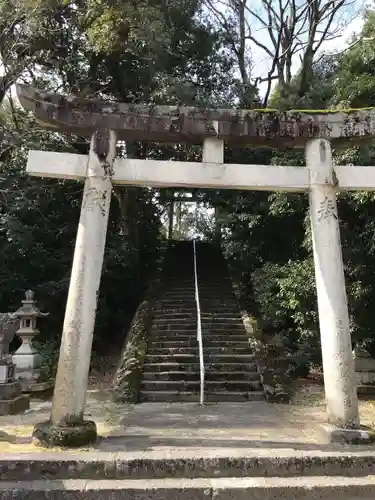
point(207, 488)
point(228, 304)
point(172, 350)
point(207, 329)
point(224, 336)
point(166, 325)
point(207, 350)
point(175, 321)
point(232, 315)
point(208, 358)
point(192, 342)
point(225, 322)
point(210, 386)
point(222, 316)
point(191, 306)
point(195, 367)
point(188, 336)
point(192, 336)
point(177, 314)
point(228, 349)
point(208, 319)
point(188, 288)
point(223, 277)
point(191, 302)
point(209, 375)
point(219, 294)
point(207, 333)
point(184, 311)
point(214, 286)
point(213, 397)
point(219, 462)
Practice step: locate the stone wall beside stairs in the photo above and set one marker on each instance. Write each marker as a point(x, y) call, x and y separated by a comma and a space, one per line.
point(127, 380)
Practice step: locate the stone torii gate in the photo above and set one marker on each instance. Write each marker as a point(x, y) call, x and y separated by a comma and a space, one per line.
point(107, 122)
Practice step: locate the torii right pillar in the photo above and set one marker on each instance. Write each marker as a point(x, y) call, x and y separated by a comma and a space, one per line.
point(338, 363)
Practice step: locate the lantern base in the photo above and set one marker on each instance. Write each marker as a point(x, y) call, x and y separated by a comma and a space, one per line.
point(11, 399)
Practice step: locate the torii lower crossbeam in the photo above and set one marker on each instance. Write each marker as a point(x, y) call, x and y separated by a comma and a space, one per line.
point(216, 175)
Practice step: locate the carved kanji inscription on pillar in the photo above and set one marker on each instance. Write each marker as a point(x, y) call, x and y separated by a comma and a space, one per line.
point(95, 197)
point(327, 209)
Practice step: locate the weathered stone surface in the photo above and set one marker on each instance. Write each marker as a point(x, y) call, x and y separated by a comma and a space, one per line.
point(195, 489)
point(276, 393)
point(69, 395)
point(40, 387)
point(127, 382)
point(148, 465)
point(363, 361)
point(337, 435)
point(68, 436)
point(7, 371)
point(27, 359)
point(273, 366)
point(15, 405)
point(8, 327)
point(171, 371)
point(364, 365)
point(171, 123)
point(334, 324)
point(364, 390)
point(97, 490)
point(10, 390)
point(11, 400)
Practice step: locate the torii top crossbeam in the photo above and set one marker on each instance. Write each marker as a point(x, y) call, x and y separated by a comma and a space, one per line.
point(192, 124)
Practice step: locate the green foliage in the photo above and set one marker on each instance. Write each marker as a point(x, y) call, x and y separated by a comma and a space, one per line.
point(286, 298)
point(134, 52)
point(49, 350)
point(38, 224)
point(167, 52)
point(320, 91)
point(355, 77)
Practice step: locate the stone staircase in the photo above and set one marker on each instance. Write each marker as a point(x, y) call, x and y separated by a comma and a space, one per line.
point(171, 370)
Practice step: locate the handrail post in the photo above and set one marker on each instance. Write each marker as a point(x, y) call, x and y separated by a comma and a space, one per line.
point(199, 326)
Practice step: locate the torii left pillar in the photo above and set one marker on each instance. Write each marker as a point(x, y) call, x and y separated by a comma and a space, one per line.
point(67, 426)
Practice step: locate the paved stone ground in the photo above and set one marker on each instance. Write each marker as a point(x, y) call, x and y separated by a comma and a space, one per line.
point(187, 426)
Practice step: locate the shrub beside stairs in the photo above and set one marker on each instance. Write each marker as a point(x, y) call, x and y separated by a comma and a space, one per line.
point(171, 366)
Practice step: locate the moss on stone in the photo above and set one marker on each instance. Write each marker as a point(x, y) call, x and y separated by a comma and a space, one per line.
point(273, 365)
point(128, 377)
point(75, 435)
point(314, 111)
point(276, 128)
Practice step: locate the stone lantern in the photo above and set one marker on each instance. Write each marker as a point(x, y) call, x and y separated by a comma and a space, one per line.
point(27, 359)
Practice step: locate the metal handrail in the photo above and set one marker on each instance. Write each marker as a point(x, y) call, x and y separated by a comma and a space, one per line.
point(199, 326)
